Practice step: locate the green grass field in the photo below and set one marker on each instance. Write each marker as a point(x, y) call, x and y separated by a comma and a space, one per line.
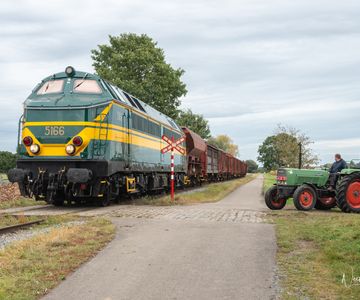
point(318, 254)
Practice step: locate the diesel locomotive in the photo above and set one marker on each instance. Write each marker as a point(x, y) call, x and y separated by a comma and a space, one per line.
point(83, 139)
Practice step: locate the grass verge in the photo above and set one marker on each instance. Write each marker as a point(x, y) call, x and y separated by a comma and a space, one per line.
point(210, 193)
point(19, 202)
point(318, 254)
point(3, 178)
point(7, 220)
point(30, 268)
point(269, 180)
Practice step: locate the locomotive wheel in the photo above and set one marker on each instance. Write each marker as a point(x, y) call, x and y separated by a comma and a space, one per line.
point(106, 198)
point(348, 193)
point(325, 203)
point(272, 200)
point(58, 201)
point(305, 197)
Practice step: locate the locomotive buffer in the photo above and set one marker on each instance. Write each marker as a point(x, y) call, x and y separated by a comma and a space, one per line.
point(172, 145)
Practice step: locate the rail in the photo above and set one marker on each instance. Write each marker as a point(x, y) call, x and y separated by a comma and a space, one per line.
point(16, 227)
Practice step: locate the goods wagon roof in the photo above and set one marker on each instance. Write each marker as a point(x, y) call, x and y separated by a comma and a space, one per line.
point(63, 94)
point(195, 144)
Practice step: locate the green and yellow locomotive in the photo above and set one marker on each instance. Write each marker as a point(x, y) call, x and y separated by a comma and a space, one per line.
point(82, 138)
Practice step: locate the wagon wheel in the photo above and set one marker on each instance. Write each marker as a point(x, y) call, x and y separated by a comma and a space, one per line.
point(272, 201)
point(305, 197)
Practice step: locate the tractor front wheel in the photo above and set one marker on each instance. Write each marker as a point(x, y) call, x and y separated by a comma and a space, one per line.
point(272, 201)
point(305, 197)
point(348, 193)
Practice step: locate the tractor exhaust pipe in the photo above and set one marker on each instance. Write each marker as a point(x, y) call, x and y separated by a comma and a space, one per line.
point(300, 155)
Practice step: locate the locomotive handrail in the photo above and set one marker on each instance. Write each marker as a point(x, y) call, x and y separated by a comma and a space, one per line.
point(21, 120)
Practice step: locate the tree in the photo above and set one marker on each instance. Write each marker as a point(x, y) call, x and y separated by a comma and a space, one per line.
point(225, 143)
point(309, 159)
point(267, 154)
point(135, 63)
point(252, 166)
point(282, 149)
point(195, 122)
point(7, 161)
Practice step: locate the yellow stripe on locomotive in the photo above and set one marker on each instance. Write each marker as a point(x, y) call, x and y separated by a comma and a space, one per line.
point(100, 128)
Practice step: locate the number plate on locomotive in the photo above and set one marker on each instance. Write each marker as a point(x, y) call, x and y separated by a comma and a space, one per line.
point(54, 130)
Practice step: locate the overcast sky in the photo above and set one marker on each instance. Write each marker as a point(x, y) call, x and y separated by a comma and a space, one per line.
point(249, 64)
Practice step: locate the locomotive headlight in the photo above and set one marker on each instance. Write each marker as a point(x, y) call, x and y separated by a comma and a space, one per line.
point(69, 71)
point(34, 148)
point(27, 141)
point(70, 149)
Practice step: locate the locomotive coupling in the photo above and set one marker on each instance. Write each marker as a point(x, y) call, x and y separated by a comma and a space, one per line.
point(78, 175)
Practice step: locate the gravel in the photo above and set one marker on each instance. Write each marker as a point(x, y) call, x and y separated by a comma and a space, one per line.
point(8, 238)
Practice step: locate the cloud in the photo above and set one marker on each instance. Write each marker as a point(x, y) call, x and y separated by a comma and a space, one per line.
point(249, 64)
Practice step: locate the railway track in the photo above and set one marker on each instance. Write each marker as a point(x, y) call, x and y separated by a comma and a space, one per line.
point(16, 227)
point(18, 210)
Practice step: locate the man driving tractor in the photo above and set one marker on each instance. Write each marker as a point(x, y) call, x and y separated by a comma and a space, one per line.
point(336, 168)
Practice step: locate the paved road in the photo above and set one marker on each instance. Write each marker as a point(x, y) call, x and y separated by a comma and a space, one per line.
point(209, 251)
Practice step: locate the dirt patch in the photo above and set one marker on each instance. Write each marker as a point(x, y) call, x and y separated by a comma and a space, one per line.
point(302, 247)
point(9, 192)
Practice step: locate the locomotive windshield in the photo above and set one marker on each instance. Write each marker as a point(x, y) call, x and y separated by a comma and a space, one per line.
point(51, 87)
point(87, 86)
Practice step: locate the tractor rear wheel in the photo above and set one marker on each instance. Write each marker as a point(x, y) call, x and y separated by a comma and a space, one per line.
point(348, 193)
point(272, 201)
point(325, 203)
point(305, 197)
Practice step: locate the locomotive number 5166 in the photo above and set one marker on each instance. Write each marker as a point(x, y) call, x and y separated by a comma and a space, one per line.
point(54, 130)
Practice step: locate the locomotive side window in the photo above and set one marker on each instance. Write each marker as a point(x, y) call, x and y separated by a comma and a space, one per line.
point(130, 100)
point(138, 104)
point(145, 125)
point(51, 87)
point(89, 86)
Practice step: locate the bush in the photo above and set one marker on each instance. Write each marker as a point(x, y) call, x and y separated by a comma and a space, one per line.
point(252, 166)
point(7, 161)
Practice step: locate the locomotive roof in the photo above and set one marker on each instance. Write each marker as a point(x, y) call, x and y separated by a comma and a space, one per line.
point(67, 98)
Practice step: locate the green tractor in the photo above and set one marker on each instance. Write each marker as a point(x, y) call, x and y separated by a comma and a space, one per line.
point(311, 189)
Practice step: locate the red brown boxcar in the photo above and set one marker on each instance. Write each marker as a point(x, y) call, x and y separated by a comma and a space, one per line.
point(207, 162)
point(196, 157)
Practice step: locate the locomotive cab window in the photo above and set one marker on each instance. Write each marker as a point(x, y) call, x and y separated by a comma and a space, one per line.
point(51, 87)
point(88, 86)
